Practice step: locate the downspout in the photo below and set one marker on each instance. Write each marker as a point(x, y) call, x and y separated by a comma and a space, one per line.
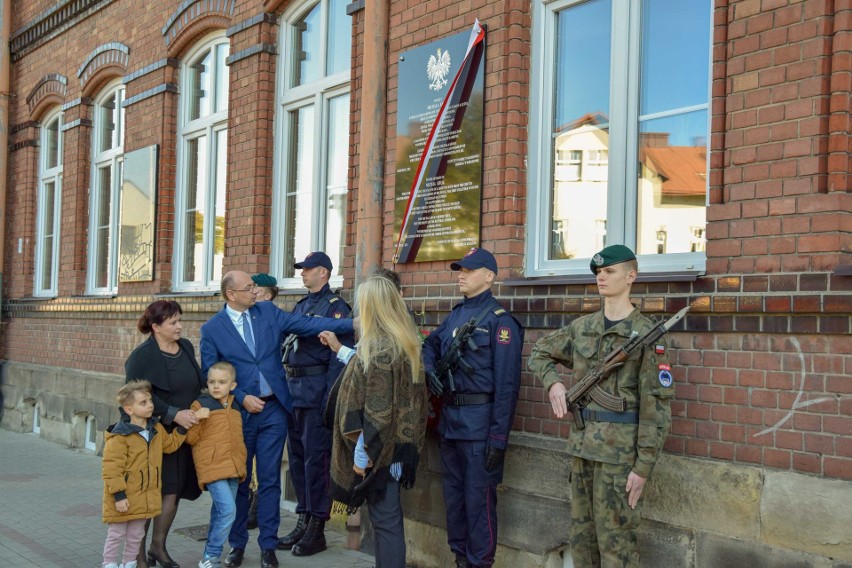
point(5, 72)
point(371, 140)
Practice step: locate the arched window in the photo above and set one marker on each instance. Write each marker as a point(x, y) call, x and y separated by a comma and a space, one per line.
point(202, 166)
point(49, 199)
point(313, 135)
point(107, 161)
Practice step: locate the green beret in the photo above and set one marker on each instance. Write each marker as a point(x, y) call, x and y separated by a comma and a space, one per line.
point(264, 280)
point(613, 254)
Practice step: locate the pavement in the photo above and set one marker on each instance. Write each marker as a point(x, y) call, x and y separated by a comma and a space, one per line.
point(50, 514)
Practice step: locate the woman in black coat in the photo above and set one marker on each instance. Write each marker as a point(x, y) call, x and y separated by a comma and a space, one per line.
point(167, 361)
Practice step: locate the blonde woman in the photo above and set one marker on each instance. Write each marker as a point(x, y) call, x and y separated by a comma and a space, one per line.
point(380, 417)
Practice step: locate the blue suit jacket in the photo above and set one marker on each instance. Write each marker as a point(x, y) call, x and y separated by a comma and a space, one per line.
point(220, 341)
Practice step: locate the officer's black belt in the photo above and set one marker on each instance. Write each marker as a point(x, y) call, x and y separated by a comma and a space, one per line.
point(266, 398)
point(467, 399)
point(607, 416)
point(306, 371)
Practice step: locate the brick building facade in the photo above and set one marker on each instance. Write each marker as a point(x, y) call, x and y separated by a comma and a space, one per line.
point(758, 466)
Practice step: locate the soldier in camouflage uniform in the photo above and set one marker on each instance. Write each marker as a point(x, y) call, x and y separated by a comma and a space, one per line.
point(616, 451)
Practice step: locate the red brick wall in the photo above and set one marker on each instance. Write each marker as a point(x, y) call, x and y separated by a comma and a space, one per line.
point(769, 332)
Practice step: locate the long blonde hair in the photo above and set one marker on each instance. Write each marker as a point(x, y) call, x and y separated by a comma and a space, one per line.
point(384, 318)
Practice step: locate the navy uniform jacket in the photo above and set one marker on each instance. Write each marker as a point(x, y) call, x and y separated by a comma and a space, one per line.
point(310, 391)
point(496, 370)
point(220, 341)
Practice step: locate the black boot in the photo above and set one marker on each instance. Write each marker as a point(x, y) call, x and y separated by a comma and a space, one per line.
point(313, 541)
point(287, 542)
point(252, 512)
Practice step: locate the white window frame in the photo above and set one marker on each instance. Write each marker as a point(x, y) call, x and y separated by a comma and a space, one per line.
point(112, 158)
point(206, 126)
point(623, 146)
point(48, 175)
point(90, 439)
point(317, 94)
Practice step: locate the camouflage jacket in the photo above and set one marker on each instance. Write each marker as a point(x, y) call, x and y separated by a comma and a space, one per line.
point(644, 382)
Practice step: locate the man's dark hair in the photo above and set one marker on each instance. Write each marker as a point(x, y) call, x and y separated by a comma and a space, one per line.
point(390, 275)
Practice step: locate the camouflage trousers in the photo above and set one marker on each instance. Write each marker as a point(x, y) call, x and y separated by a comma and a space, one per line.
point(603, 526)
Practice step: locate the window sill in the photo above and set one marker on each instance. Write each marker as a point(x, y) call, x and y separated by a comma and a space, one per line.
point(190, 294)
point(684, 276)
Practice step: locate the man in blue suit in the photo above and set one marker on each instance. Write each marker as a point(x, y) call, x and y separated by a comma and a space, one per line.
point(248, 335)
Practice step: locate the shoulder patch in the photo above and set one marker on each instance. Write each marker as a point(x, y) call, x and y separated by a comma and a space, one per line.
point(504, 335)
point(665, 376)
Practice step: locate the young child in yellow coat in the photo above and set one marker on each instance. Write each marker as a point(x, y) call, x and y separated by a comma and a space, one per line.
point(133, 457)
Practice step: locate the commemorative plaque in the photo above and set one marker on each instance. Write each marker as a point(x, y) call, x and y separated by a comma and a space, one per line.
point(438, 190)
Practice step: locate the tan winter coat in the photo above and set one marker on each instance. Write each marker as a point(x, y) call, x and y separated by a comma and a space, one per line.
point(218, 449)
point(132, 469)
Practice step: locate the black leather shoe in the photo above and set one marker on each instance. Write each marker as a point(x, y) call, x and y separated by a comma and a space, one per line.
point(235, 557)
point(268, 559)
point(164, 559)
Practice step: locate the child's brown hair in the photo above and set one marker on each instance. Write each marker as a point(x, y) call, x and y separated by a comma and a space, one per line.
point(224, 367)
point(127, 394)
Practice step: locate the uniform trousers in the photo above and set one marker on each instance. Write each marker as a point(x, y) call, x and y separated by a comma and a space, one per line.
point(309, 451)
point(264, 434)
point(603, 526)
point(470, 495)
point(130, 533)
point(388, 532)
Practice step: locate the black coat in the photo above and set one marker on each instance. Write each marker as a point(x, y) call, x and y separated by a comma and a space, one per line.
point(146, 362)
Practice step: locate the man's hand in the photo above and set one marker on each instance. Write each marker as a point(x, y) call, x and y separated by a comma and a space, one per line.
point(122, 506)
point(493, 458)
point(556, 394)
point(202, 413)
point(436, 387)
point(635, 484)
point(253, 404)
point(329, 338)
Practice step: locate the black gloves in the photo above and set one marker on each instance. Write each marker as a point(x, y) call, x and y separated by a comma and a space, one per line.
point(436, 387)
point(493, 458)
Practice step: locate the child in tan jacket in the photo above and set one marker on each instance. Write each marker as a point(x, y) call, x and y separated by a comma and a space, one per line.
point(133, 457)
point(219, 453)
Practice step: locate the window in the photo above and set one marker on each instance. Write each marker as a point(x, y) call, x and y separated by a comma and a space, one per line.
point(617, 155)
point(313, 128)
point(49, 199)
point(107, 160)
point(202, 167)
point(91, 437)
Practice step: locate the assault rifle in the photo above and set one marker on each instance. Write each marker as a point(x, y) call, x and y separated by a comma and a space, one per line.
point(291, 344)
point(452, 359)
point(587, 388)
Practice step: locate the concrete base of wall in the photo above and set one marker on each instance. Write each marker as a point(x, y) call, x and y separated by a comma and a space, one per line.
point(65, 398)
point(699, 513)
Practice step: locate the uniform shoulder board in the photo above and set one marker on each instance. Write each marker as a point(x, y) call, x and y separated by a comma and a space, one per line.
point(498, 311)
point(333, 299)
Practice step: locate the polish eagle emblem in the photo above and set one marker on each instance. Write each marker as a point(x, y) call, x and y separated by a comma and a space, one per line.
point(437, 69)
